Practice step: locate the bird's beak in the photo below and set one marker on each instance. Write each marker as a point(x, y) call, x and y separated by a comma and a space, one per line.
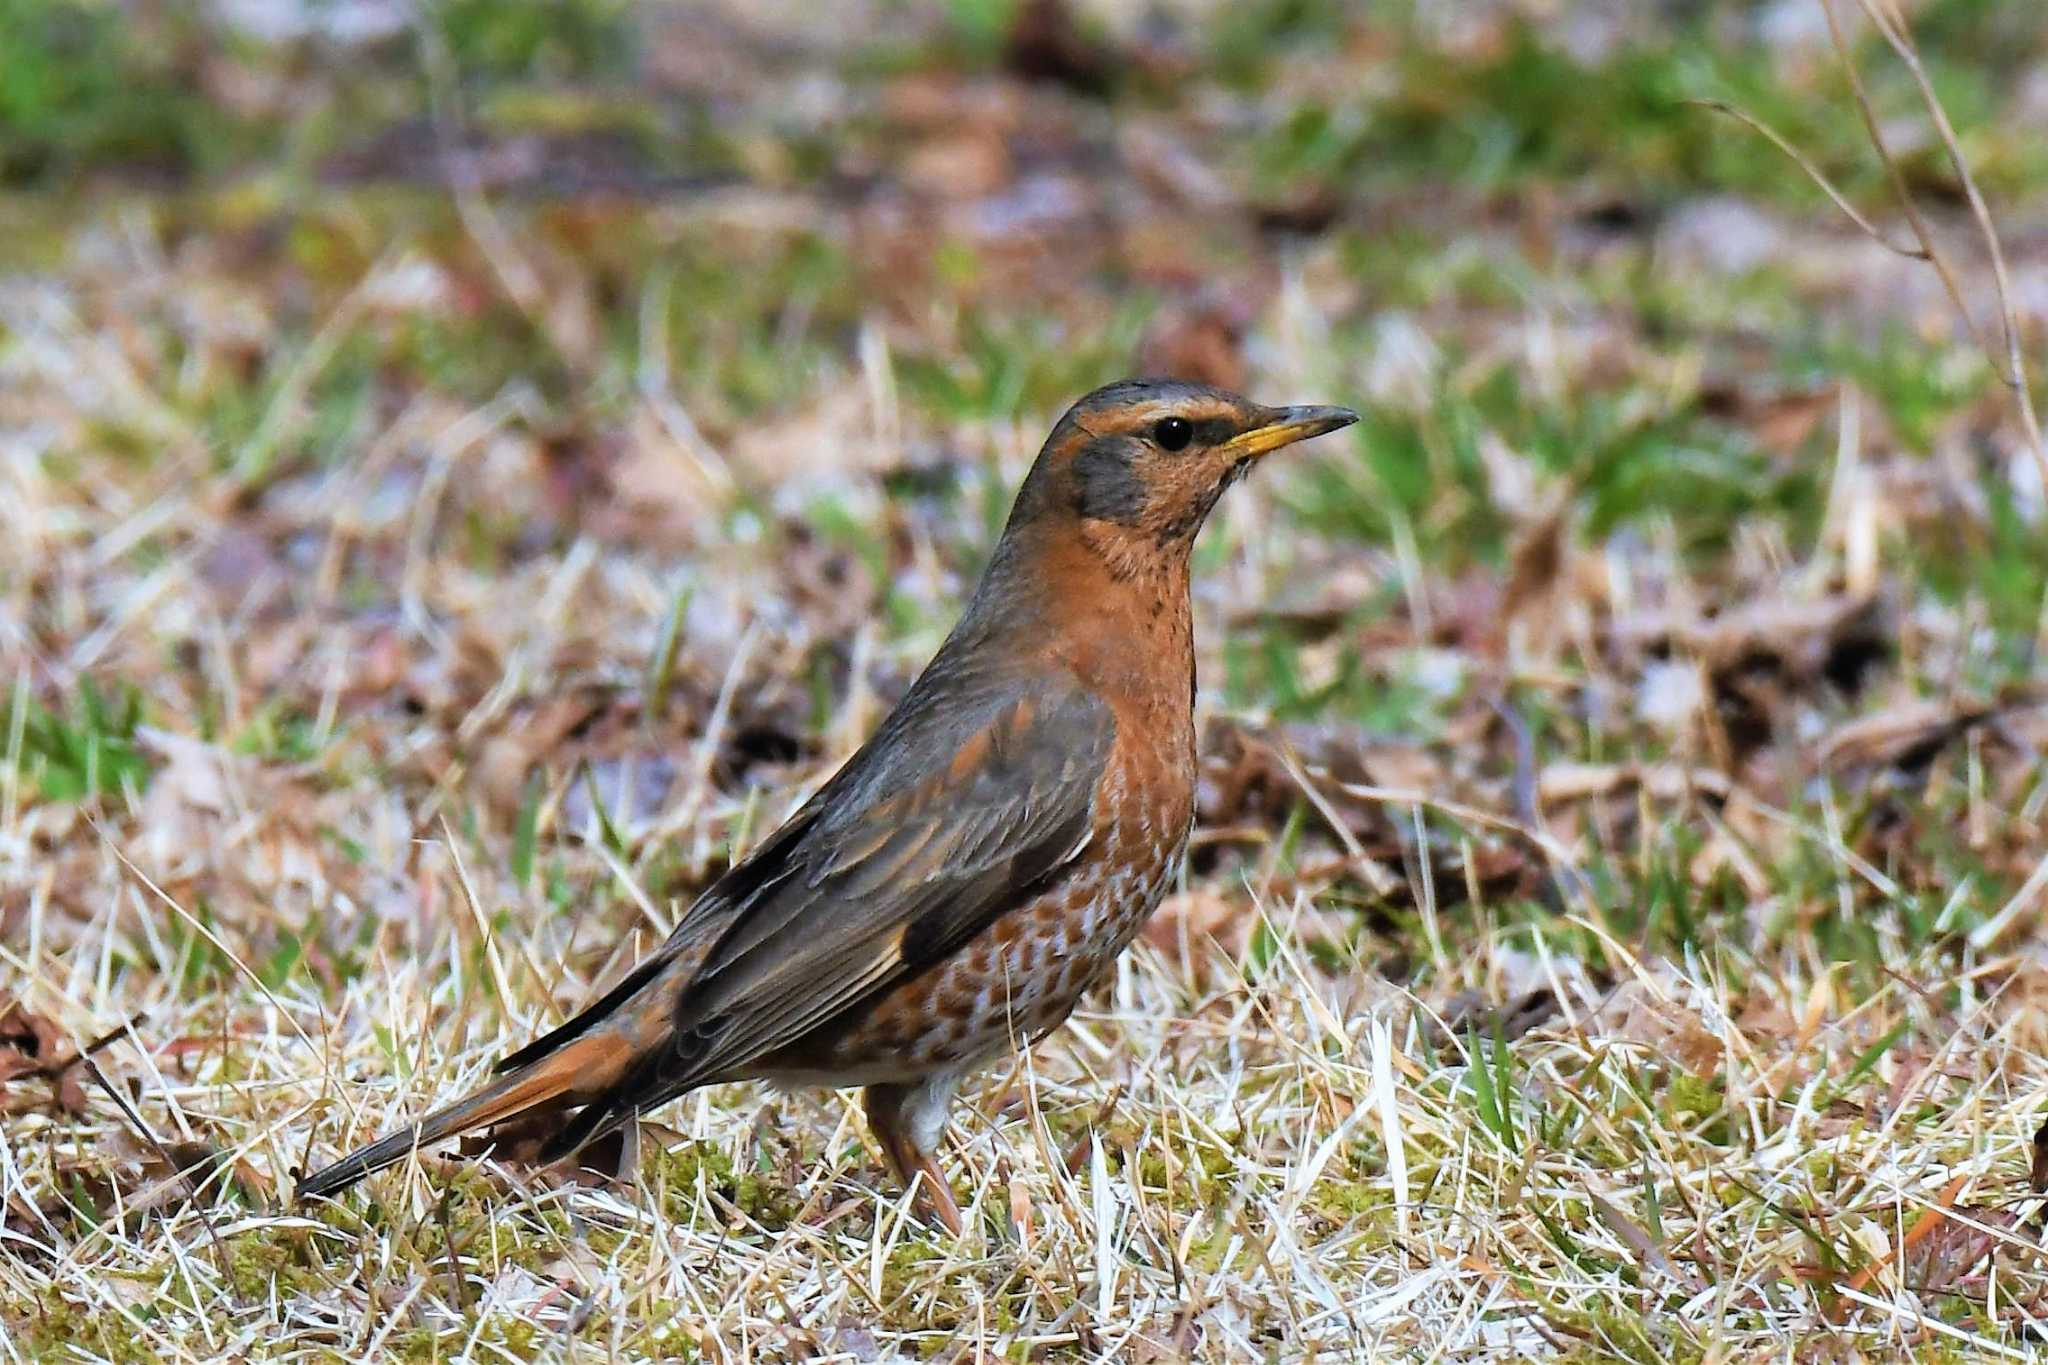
point(1285, 426)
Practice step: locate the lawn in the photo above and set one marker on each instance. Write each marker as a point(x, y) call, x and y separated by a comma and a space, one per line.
point(464, 480)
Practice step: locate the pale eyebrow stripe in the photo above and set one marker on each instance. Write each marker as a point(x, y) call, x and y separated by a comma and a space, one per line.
point(1131, 419)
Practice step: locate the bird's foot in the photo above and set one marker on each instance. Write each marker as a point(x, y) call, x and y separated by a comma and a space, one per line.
point(936, 1194)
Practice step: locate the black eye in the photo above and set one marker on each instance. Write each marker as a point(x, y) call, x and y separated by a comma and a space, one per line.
point(1172, 433)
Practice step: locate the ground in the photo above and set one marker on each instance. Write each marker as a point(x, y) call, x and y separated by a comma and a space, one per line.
point(464, 482)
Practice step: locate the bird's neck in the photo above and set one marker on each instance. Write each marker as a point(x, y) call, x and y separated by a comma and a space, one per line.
point(1113, 611)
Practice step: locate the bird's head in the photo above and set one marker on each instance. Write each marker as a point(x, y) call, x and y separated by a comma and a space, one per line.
point(1135, 467)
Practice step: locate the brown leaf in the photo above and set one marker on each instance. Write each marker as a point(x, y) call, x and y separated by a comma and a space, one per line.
point(1245, 778)
point(1943, 1243)
point(1313, 607)
point(1565, 781)
point(1195, 915)
point(184, 1171)
point(1172, 1339)
point(1904, 737)
point(1536, 563)
point(1758, 659)
point(1023, 1214)
point(519, 1143)
point(852, 1339)
point(31, 1035)
point(143, 1179)
point(1781, 420)
point(531, 735)
point(1660, 1020)
point(32, 1046)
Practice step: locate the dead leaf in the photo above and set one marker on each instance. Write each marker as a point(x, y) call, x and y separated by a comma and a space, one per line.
point(1245, 779)
point(1943, 1243)
point(853, 1340)
point(519, 1144)
point(1833, 638)
point(1659, 1020)
point(1314, 606)
point(186, 1172)
point(33, 1046)
point(1175, 1338)
point(1536, 563)
point(142, 1179)
point(1023, 1215)
point(1781, 420)
point(1964, 1237)
point(1743, 670)
point(529, 735)
point(1194, 916)
point(1905, 737)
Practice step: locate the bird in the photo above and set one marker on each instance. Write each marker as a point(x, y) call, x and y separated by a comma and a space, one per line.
point(952, 891)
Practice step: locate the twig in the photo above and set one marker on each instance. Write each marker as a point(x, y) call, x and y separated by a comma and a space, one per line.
point(2005, 357)
point(1815, 174)
point(457, 1284)
point(2014, 372)
point(181, 1171)
point(1900, 190)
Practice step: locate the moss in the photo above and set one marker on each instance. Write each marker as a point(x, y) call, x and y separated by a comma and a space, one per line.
point(1206, 1255)
point(519, 1337)
point(55, 1326)
point(1693, 1100)
point(683, 1166)
point(1203, 1166)
point(420, 1343)
point(257, 1261)
point(1348, 1199)
point(765, 1198)
point(908, 1270)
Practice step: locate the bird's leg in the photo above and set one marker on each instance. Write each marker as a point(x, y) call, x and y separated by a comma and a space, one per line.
point(886, 1108)
point(939, 1200)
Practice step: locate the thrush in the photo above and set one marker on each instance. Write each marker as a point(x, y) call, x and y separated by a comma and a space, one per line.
point(980, 862)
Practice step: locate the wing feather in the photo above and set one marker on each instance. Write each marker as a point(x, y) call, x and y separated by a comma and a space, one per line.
point(978, 800)
point(976, 793)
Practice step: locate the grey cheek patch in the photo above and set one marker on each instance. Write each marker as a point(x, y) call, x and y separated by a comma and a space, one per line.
point(1106, 488)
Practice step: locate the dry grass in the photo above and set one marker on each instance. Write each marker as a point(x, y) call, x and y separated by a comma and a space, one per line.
point(1616, 926)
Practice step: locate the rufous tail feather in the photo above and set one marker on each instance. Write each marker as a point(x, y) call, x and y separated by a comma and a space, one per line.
point(562, 1077)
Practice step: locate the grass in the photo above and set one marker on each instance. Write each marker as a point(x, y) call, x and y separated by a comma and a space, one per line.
point(1613, 926)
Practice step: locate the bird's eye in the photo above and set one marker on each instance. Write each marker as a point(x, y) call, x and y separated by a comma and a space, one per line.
point(1172, 433)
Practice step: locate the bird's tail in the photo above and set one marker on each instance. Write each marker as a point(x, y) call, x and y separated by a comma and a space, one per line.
point(569, 1074)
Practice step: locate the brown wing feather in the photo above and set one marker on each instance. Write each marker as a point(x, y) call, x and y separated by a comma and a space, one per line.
point(951, 832)
point(956, 812)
